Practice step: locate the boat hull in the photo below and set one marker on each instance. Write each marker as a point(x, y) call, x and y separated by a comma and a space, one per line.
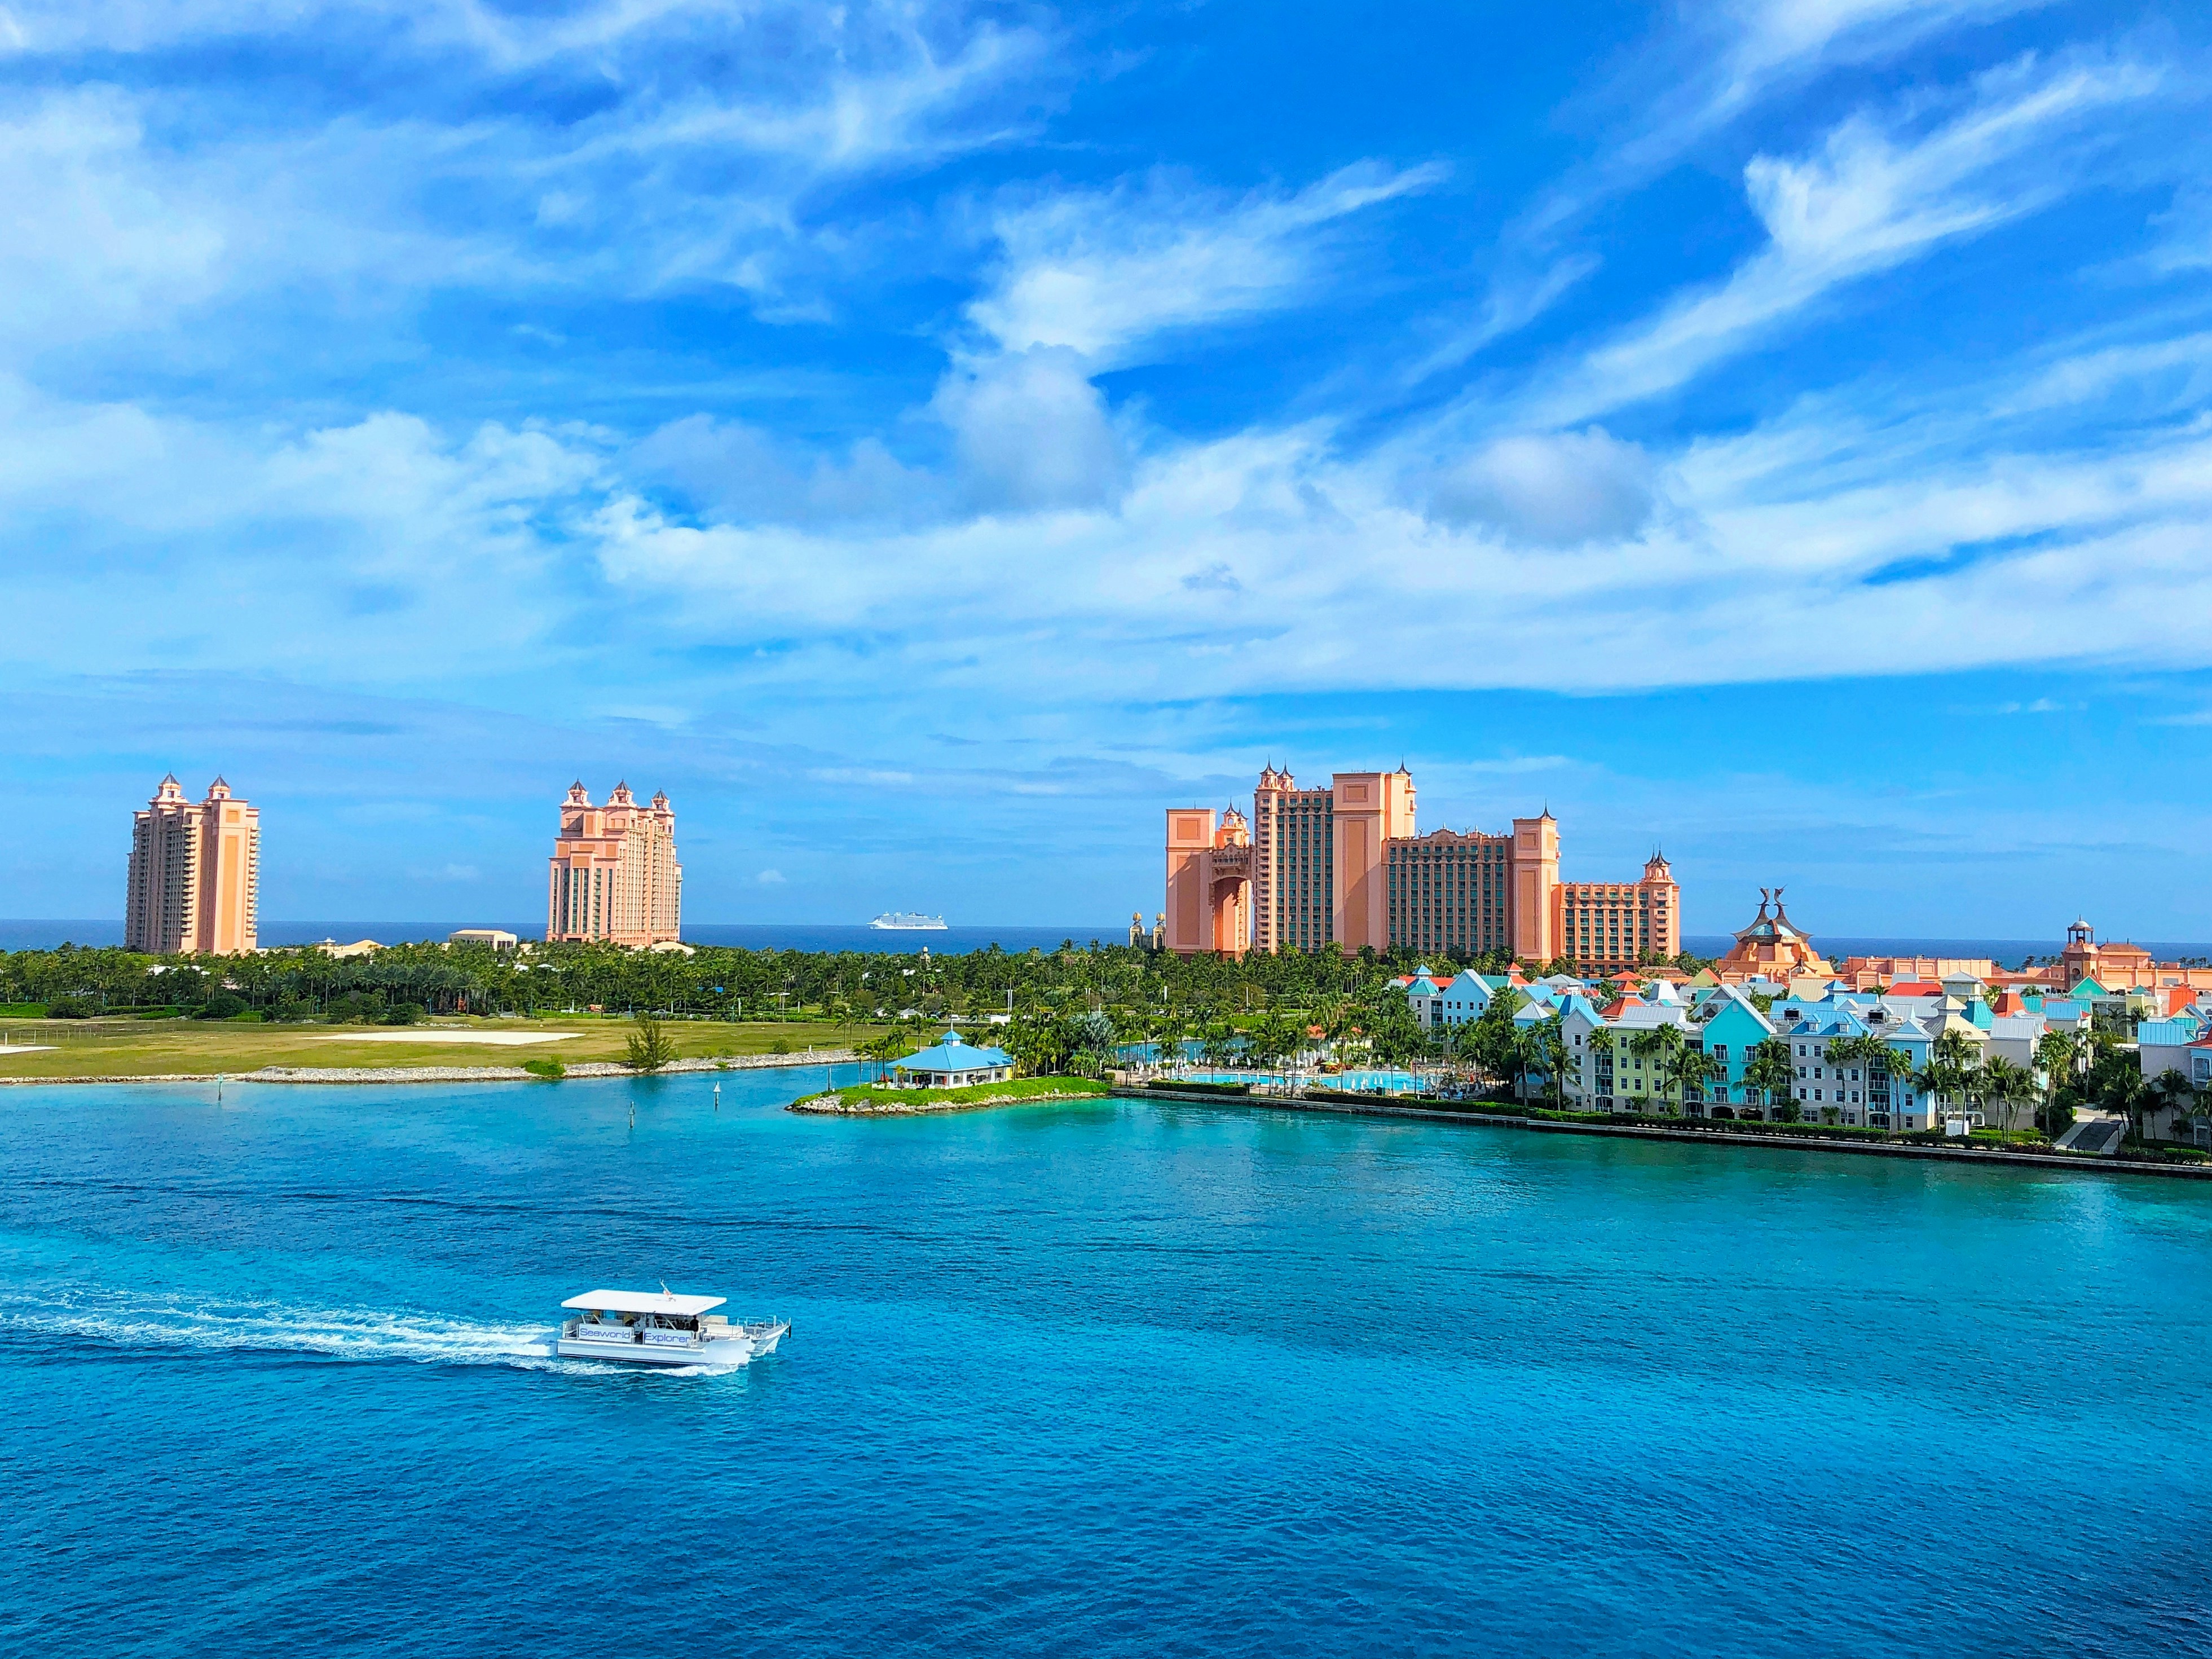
point(738, 1348)
point(638, 1353)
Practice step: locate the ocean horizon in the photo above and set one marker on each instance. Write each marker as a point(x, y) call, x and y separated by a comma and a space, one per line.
point(47, 935)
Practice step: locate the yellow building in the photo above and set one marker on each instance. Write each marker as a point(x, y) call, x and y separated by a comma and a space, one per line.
point(1608, 926)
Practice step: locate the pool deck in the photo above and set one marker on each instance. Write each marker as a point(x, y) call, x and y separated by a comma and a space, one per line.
point(1782, 1142)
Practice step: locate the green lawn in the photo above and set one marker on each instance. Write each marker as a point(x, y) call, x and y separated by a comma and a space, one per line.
point(147, 1047)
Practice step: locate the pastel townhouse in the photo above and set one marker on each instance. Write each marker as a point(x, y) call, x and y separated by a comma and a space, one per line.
point(1732, 1026)
point(2165, 1045)
point(1455, 1001)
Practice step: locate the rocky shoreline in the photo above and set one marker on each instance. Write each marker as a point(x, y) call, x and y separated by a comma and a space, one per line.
point(837, 1106)
point(589, 1068)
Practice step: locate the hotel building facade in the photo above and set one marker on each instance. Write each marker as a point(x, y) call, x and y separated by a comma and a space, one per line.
point(614, 877)
point(1343, 865)
point(195, 874)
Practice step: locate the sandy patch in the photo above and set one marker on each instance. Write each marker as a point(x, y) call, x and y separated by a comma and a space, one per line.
point(496, 1039)
point(25, 1048)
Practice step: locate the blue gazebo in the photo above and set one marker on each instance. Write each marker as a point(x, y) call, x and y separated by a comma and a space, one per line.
point(952, 1063)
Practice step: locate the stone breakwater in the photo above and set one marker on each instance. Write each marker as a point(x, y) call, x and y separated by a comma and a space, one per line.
point(838, 1106)
point(456, 1073)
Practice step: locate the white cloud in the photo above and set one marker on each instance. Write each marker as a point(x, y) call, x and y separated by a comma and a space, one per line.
point(1031, 432)
point(698, 144)
point(744, 473)
point(1061, 542)
point(1869, 200)
point(1772, 36)
point(1560, 490)
point(1761, 567)
point(384, 544)
point(93, 236)
point(1104, 273)
point(770, 879)
point(2186, 244)
point(2157, 376)
point(1714, 66)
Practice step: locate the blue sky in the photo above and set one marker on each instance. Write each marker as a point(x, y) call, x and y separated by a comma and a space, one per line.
point(927, 441)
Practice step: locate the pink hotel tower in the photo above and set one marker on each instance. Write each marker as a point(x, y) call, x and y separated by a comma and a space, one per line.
point(195, 874)
point(1342, 864)
point(614, 877)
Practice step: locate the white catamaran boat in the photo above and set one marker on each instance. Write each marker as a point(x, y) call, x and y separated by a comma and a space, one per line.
point(643, 1329)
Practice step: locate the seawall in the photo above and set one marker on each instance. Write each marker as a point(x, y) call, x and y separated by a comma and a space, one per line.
point(1976, 1156)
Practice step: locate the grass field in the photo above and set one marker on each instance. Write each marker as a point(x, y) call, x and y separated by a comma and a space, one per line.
point(150, 1047)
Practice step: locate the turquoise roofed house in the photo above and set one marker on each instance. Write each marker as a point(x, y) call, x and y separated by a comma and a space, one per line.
point(954, 1063)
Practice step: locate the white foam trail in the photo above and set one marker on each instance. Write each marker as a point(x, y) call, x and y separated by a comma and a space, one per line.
point(280, 1328)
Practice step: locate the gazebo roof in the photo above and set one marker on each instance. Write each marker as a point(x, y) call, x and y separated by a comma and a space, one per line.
point(952, 1054)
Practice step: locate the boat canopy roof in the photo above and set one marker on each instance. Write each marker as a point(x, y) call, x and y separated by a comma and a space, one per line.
point(644, 1301)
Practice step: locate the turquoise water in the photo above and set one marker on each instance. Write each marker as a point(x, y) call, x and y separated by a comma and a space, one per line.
point(1122, 1378)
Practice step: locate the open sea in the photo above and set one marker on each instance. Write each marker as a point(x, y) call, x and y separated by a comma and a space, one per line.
point(1109, 1378)
point(830, 936)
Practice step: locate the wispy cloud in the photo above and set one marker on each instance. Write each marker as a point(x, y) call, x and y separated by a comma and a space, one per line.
point(1104, 273)
point(915, 375)
point(1873, 196)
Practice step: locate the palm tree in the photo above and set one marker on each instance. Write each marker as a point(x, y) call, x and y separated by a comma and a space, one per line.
point(1871, 1054)
point(1952, 1068)
point(2004, 1084)
point(1091, 1037)
point(2168, 1089)
point(1601, 1044)
point(1170, 1026)
point(1768, 1071)
point(1543, 1050)
point(1661, 1047)
point(1698, 1070)
point(2058, 1054)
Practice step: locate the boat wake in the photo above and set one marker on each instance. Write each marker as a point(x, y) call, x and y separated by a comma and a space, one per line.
point(248, 1326)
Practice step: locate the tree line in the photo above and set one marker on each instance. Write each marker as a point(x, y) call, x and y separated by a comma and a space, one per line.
point(712, 982)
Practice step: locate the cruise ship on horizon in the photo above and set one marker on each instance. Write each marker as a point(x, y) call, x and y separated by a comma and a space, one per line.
point(909, 922)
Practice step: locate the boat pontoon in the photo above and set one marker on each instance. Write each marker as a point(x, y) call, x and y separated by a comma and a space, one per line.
point(642, 1328)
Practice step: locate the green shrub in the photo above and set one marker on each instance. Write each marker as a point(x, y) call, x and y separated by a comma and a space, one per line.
point(66, 1007)
point(401, 1013)
point(781, 1046)
point(649, 1048)
point(22, 1011)
point(544, 1068)
point(1200, 1088)
point(223, 1005)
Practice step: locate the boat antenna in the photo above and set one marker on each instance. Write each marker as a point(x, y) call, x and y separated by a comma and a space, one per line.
point(664, 1291)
